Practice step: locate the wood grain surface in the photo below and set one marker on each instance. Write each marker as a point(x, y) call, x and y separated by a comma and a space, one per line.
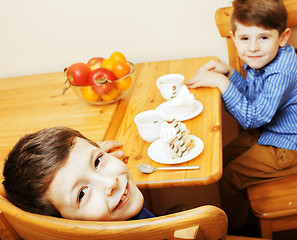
point(207, 126)
point(31, 103)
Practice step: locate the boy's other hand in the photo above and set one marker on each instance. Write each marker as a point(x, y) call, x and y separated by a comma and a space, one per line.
point(209, 79)
point(218, 67)
point(212, 74)
point(109, 147)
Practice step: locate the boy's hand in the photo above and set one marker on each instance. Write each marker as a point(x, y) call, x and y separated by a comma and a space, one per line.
point(212, 74)
point(218, 67)
point(110, 145)
point(209, 79)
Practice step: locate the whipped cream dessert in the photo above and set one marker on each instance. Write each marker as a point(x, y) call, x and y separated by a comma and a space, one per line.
point(182, 101)
point(175, 138)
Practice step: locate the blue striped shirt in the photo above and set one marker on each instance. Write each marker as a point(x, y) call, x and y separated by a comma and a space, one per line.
point(267, 98)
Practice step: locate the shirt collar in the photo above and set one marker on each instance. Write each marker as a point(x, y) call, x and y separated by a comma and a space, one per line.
point(259, 70)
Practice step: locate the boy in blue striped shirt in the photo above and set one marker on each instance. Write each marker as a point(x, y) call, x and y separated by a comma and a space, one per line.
point(265, 103)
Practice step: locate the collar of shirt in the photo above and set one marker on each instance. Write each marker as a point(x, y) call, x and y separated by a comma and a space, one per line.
point(143, 214)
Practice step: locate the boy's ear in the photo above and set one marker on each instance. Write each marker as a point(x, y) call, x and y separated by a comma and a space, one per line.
point(233, 37)
point(284, 37)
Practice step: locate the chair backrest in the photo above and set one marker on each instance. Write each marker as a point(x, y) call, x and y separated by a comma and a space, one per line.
point(206, 222)
point(223, 19)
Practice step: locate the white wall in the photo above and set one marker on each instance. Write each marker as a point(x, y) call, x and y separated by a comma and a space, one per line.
point(41, 36)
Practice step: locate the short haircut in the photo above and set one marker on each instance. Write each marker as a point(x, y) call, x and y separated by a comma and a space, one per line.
point(269, 14)
point(32, 164)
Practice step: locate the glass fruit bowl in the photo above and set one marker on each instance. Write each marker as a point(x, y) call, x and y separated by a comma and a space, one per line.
point(107, 92)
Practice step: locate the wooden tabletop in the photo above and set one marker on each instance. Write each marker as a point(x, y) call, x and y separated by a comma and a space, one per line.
point(31, 103)
point(207, 126)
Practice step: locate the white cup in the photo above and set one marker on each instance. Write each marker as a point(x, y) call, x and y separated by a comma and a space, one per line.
point(170, 84)
point(148, 125)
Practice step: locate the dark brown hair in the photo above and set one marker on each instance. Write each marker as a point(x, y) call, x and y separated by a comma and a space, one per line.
point(269, 14)
point(31, 165)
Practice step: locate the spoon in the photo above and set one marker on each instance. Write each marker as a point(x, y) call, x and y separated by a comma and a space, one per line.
point(149, 169)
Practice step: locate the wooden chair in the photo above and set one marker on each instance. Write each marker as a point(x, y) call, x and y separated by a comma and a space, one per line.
point(274, 203)
point(206, 222)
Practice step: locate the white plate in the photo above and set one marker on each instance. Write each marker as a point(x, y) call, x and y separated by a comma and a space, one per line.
point(157, 152)
point(182, 114)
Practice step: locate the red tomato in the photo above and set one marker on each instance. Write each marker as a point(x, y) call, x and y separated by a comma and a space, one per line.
point(102, 79)
point(120, 69)
point(78, 74)
point(95, 63)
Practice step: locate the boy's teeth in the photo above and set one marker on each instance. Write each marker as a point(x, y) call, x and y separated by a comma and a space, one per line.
point(124, 195)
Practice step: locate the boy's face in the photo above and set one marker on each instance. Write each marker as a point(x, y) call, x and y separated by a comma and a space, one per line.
point(257, 46)
point(94, 185)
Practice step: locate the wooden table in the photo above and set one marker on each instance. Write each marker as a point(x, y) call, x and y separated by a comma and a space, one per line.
point(33, 102)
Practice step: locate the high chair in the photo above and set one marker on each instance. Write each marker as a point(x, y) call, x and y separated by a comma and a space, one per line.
point(274, 203)
point(206, 222)
point(201, 223)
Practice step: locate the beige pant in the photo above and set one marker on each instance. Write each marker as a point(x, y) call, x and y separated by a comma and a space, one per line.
point(246, 163)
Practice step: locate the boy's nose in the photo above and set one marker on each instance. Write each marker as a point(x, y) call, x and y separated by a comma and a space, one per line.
point(110, 185)
point(253, 46)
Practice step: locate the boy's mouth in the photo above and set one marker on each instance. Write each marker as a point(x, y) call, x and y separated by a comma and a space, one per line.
point(253, 57)
point(124, 197)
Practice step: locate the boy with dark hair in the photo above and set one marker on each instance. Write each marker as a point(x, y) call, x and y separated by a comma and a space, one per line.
point(59, 172)
point(265, 103)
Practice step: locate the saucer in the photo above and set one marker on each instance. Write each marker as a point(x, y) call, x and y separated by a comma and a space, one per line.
point(157, 152)
point(182, 114)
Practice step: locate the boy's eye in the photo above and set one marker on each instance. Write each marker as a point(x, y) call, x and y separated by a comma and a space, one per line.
point(81, 194)
point(98, 160)
point(244, 38)
point(264, 37)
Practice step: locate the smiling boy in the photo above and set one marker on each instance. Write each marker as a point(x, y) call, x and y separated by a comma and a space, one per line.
point(59, 172)
point(265, 103)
